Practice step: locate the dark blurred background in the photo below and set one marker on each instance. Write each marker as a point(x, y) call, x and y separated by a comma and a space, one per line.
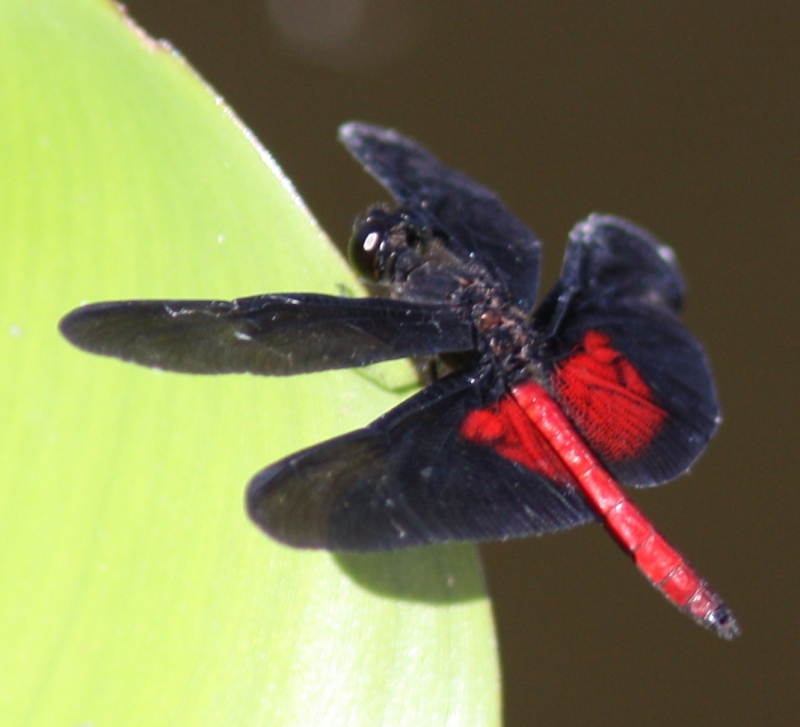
point(681, 116)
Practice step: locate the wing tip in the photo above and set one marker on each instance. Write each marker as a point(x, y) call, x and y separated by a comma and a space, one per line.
point(361, 129)
point(586, 231)
point(280, 512)
point(79, 326)
point(362, 139)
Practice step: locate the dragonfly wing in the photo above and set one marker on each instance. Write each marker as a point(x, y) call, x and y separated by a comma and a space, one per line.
point(276, 335)
point(416, 476)
point(623, 366)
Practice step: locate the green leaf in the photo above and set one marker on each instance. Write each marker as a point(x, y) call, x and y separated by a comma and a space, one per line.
point(134, 589)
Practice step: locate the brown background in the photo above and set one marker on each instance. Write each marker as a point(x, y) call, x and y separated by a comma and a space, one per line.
point(682, 116)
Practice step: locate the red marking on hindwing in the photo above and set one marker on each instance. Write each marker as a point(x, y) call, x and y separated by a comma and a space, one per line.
point(529, 427)
point(508, 430)
point(606, 397)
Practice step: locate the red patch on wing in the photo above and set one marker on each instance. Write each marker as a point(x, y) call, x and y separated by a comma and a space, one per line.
point(607, 399)
point(508, 430)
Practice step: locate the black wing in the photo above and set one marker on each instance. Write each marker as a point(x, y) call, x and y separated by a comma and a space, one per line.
point(626, 370)
point(408, 479)
point(277, 335)
point(472, 217)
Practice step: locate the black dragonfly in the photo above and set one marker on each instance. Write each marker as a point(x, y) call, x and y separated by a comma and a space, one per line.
point(538, 413)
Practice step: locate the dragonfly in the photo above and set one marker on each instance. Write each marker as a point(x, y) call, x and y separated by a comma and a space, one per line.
point(536, 416)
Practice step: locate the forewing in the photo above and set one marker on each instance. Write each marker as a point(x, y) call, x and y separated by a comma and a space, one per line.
point(626, 370)
point(274, 335)
point(416, 476)
point(476, 222)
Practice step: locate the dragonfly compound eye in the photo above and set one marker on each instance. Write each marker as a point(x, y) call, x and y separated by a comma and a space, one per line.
point(369, 236)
